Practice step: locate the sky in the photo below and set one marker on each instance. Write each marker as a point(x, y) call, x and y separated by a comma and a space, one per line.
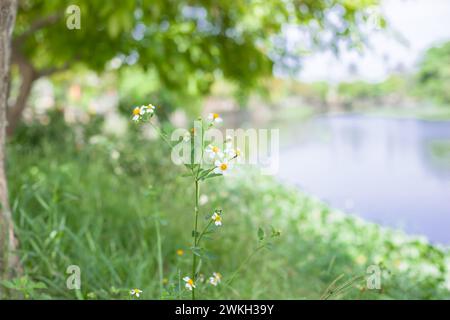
point(413, 26)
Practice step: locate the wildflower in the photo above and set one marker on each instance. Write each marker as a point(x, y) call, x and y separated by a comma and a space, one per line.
point(217, 219)
point(180, 252)
point(189, 283)
point(139, 112)
point(187, 136)
point(215, 279)
point(201, 277)
point(149, 108)
point(165, 281)
point(213, 152)
point(233, 153)
point(214, 118)
point(135, 292)
point(222, 167)
point(361, 259)
point(136, 114)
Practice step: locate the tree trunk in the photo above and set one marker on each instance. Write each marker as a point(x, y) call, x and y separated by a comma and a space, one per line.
point(9, 262)
point(27, 75)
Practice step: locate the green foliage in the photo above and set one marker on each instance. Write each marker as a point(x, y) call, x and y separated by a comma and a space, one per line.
point(440, 149)
point(183, 45)
point(119, 210)
point(359, 90)
point(28, 288)
point(434, 74)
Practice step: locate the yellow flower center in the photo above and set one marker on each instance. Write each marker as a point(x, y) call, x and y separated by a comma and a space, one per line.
point(223, 166)
point(180, 252)
point(217, 218)
point(215, 149)
point(238, 152)
point(215, 115)
point(136, 111)
point(191, 282)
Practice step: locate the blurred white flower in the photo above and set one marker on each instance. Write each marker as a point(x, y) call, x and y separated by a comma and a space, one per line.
point(215, 279)
point(203, 199)
point(187, 137)
point(189, 283)
point(115, 154)
point(135, 292)
point(213, 152)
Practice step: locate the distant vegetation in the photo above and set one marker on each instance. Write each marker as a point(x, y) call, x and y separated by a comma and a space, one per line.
point(423, 94)
point(433, 78)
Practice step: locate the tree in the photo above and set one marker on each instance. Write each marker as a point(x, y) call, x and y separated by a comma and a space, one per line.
point(8, 262)
point(187, 43)
point(434, 74)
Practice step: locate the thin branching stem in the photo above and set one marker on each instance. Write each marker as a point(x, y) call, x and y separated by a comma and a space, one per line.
point(244, 263)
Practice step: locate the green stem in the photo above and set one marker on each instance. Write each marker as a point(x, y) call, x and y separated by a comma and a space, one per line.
point(160, 264)
point(162, 135)
point(203, 232)
point(194, 256)
point(244, 263)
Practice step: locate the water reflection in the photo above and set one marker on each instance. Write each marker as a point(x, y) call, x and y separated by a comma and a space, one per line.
point(380, 169)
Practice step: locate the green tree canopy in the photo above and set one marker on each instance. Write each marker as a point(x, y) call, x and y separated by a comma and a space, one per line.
point(186, 43)
point(434, 74)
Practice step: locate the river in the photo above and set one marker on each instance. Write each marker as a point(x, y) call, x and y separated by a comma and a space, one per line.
point(382, 169)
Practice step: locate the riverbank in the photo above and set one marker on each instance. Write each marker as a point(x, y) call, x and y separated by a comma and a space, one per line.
point(103, 205)
point(429, 113)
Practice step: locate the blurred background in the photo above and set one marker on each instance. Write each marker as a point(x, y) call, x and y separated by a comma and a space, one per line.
point(360, 91)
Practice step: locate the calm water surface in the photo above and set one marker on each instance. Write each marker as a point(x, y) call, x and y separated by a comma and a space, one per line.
point(380, 169)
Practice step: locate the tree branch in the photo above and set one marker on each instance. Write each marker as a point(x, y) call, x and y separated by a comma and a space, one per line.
point(37, 25)
point(49, 71)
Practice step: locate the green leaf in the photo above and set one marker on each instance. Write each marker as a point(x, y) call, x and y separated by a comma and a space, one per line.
point(195, 233)
point(275, 232)
point(197, 251)
point(202, 253)
point(187, 175)
point(261, 234)
point(211, 175)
